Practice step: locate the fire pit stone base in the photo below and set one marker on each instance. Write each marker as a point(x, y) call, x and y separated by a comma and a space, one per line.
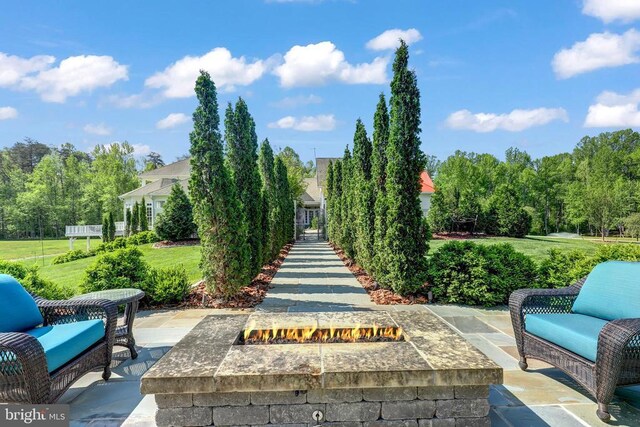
point(369, 407)
point(433, 377)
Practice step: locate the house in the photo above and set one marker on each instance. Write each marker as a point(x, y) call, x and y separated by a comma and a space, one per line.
point(313, 199)
point(426, 191)
point(156, 187)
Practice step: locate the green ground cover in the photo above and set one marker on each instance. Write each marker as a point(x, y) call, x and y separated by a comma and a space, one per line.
point(534, 246)
point(70, 274)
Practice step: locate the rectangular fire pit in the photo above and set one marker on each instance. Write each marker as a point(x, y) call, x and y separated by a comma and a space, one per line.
point(362, 368)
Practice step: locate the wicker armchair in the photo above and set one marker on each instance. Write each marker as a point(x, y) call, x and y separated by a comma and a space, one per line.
point(24, 376)
point(617, 362)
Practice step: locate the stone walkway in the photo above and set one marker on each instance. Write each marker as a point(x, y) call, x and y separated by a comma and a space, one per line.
point(313, 279)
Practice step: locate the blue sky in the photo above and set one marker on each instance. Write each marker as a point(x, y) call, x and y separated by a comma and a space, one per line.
point(492, 74)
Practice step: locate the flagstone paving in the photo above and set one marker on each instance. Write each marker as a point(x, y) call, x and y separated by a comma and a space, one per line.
point(312, 278)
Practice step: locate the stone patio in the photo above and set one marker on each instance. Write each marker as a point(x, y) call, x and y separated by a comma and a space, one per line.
point(540, 397)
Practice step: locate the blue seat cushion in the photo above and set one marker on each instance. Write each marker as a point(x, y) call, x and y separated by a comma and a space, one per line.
point(575, 332)
point(18, 310)
point(62, 343)
point(611, 291)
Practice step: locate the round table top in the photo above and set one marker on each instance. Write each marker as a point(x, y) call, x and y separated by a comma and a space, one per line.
point(119, 296)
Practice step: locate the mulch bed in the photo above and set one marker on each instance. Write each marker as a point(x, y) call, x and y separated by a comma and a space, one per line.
point(170, 244)
point(248, 297)
point(378, 295)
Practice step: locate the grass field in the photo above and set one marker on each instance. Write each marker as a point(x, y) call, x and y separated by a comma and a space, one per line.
point(70, 274)
point(20, 249)
point(534, 246)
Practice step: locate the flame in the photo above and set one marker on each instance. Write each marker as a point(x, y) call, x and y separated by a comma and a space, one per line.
point(313, 334)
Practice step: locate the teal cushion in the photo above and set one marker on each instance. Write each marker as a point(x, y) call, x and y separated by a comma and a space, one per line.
point(611, 291)
point(62, 343)
point(18, 310)
point(575, 332)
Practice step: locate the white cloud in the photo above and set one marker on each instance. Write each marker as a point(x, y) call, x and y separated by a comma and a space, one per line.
point(322, 123)
point(7, 113)
point(74, 75)
point(139, 100)
point(14, 68)
point(317, 64)
point(515, 121)
point(615, 110)
point(296, 101)
point(612, 10)
point(600, 50)
point(178, 79)
point(141, 149)
point(97, 129)
point(172, 120)
point(390, 39)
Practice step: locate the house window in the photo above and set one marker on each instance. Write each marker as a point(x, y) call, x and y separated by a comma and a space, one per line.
point(160, 205)
point(149, 213)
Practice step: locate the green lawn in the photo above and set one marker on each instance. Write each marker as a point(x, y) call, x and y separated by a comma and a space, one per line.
point(34, 249)
point(70, 274)
point(534, 246)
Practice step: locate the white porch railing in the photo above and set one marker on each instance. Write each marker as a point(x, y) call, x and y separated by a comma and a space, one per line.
point(91, 230)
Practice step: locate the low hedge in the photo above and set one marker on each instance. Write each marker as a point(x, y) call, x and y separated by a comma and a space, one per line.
point(126, 268)
point(463, 272)
point(72, 256)
point(30, 278)
point(562, 268)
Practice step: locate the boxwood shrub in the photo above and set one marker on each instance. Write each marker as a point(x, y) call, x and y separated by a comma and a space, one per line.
point(462, 272)
point(168, 285)
point(122, 268)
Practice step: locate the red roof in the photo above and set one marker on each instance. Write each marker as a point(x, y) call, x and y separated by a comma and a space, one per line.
point(426, 183)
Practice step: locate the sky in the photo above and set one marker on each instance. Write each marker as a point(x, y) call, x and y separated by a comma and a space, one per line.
point(492, 74)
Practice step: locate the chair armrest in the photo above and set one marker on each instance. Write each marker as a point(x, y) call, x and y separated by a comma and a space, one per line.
point(69, 311)
point(619, 340)
point(23, 368)
point(540, 301)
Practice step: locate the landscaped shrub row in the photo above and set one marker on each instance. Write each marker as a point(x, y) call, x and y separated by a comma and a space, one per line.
point(463, 272)
point(31, 280)
point(126, 268)
point(141, 238)
point(72, 256)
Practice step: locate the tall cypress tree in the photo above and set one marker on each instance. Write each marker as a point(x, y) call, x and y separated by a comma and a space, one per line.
point(135, 218)
point(363, 196)
point(378, 177)
point(127, 220)
point(347, 237)
point(242, 157)
point(285, 203)
point(329, 199)
point(406, 247)
point(336, 204)
point(270, 201)
point(217, 212)
point(106, 228)
point(144, 220)
point(112, 226)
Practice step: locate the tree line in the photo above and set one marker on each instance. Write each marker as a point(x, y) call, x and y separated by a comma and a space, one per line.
point(594, 190)
point(45, 188)
point(373, 204)
point(243, 204)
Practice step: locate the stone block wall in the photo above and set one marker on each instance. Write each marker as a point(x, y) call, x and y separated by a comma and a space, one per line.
point(466, 406)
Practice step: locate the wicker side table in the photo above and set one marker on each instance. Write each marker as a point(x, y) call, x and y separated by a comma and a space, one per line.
point(130, 297)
